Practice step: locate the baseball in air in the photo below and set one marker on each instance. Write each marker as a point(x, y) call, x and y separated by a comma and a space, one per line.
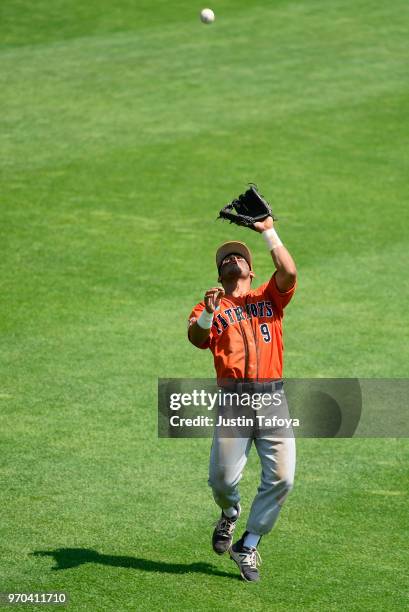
point(207, 15)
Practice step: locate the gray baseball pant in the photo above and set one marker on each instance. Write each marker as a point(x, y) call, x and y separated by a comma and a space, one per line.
point(227, 460)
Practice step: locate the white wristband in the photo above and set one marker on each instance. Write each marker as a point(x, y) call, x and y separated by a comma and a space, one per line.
point(271, 239)
point(205, 320)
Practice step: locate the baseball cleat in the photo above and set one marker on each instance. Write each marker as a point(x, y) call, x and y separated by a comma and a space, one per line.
point(247, 559)
point(223, 534)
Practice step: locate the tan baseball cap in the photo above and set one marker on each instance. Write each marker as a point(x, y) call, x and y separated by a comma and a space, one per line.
point(233, 247)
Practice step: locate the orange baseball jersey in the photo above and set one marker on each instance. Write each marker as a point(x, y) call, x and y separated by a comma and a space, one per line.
point(246, 337)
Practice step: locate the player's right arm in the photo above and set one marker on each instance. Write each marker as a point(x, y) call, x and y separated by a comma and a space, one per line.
point(199, 331)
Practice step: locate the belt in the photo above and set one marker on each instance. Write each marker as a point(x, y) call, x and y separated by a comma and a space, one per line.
point(253, 387)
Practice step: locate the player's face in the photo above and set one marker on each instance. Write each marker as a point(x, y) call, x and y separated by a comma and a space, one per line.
point(234, 266)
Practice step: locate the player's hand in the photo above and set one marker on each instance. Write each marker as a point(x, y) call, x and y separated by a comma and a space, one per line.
point(262, 226)
point(212, 298)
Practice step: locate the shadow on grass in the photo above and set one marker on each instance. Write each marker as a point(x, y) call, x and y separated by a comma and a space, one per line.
point(67, 558)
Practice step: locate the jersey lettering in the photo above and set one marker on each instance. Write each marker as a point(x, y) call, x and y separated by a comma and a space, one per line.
point(229, 314)
point(223, 321)
point(239, 313)
point(253, 308)
point(261, 309)
point(217, 326)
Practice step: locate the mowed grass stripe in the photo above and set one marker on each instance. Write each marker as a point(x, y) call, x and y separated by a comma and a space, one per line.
point(98, 90)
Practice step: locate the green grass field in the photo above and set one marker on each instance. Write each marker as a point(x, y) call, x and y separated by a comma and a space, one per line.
point(124, 128)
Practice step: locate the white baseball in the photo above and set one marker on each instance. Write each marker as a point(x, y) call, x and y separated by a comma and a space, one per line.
point(207, 15)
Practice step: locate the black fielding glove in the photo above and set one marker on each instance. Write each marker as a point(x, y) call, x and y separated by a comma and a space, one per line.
point(249, 208)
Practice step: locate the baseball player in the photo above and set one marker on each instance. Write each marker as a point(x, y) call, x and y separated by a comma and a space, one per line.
point(242, 327)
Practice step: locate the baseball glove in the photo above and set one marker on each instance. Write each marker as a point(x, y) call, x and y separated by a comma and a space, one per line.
point(249, 208)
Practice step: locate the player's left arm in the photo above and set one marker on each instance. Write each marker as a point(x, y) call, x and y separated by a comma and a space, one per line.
point(286, 274)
